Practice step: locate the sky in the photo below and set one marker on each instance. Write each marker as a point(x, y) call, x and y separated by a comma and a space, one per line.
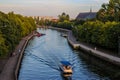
point(50, 7)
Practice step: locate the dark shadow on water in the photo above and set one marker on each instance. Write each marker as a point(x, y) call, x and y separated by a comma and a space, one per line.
point(100, 67)
point(66, 78)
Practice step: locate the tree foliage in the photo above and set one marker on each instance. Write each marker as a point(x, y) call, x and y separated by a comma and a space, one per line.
point(105, 30)
point(12, 28)
point(63, 22)
point(99, 33)
point(64, 17)
point(110, 11)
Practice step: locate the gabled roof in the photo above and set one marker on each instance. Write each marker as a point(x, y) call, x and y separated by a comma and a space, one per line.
point(86, 15)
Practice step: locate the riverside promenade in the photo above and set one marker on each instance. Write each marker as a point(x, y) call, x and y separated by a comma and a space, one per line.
point(93, 51)
point(102, 54)
point(11, 68)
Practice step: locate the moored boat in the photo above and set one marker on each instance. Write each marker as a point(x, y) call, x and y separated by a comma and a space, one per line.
point(64, 35)
point(39, 34)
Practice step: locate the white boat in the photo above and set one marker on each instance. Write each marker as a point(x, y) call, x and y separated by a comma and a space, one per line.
point(66, 69)
point(64, 35)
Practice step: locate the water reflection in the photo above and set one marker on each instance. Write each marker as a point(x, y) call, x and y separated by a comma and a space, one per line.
point(43, 55)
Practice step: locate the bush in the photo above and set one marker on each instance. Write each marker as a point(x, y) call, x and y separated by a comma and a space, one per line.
point(65, 25)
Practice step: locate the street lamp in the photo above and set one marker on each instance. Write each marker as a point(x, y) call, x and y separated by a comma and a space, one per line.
point(118, 45)
point(0, 51)
point(76, 33)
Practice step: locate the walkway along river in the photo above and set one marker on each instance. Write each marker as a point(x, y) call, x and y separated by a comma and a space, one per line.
point(43, 55)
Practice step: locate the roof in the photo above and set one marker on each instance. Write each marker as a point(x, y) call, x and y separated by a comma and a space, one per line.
point(66, 63)
point(86, 15)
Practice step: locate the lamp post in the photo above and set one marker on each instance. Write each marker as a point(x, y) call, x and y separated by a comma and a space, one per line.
point(118, 45)
point(76, 33)
point(0, 51)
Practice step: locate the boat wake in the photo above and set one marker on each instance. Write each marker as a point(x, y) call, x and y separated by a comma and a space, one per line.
point(50, 63)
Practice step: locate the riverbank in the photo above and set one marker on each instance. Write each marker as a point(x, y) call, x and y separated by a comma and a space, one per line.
point(102, 54)
point(11, 68)
point(71, 39)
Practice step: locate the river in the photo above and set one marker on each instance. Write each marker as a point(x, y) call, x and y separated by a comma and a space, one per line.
point(43, 54)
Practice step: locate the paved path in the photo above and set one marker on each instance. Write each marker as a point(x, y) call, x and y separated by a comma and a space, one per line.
point(9, 69)
point(2, 63)
point(8, 72)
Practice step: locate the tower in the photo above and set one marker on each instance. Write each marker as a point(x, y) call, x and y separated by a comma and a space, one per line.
point(91, 10)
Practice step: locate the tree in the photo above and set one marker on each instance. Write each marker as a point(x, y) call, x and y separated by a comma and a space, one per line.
point(64, 17)
point(99, 33)
point(110, 11)
point(3, 47)
point(12, 28)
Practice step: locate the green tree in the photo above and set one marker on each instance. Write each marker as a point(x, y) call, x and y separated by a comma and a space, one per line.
point(64, 17)
point(99, 33)
point(12, 28)
point(110, 11)
point(3, 47)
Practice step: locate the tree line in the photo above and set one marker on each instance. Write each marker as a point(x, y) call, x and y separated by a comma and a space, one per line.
point(98, 33)
point(62, 22)
point(12, 28)
point(104, 30)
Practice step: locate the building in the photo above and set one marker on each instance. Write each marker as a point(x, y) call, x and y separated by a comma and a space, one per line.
point(55, 20)
point(44, 17)
point(86, 15)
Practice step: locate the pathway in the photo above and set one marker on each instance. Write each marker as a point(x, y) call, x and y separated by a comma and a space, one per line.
point(8, 72)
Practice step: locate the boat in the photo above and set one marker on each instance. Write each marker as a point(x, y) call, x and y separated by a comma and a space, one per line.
point(39, 34)
point(66, 69)
point(64, 35)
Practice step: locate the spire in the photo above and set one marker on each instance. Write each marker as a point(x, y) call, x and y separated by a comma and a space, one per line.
point(90, 9)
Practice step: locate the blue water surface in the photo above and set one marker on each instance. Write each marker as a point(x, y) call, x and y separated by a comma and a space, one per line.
point(42, 58)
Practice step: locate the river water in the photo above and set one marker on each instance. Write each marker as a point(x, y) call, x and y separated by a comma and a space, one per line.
point(43, 55)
